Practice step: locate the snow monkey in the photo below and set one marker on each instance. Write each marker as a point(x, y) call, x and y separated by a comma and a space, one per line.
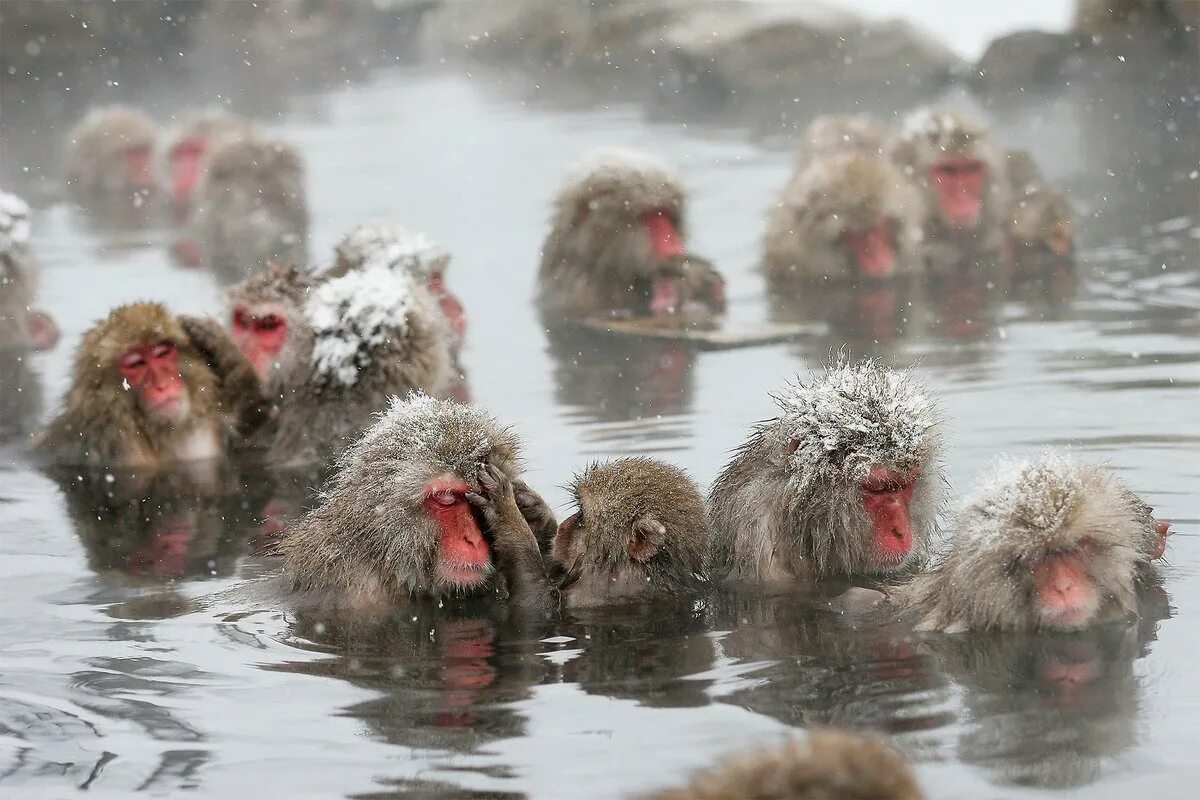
point(188, 147)
point(1040, 217)
point(150, 388)
point(1045, 543)
point(847, 480)
point(828, 765)
point(109, 159)
point(21, 327)
point(847, 214)
point(962, 175)
point(617, 245)
point(640, 530)
point(251, 206)
point(396, 247)
point(397, 519)
point(331, 353)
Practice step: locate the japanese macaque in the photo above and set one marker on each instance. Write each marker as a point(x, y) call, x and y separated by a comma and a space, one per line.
point(109, 159)
point(150, 388)
point(395, 247)
point(187, 149)
point(849, 216)
point(617, 245)
point(21, 327)
point(1047, 543)
point(846, 481)
point(251, 206)
point(641, 530)
point(331, 353)
point(1040, 217)
point(962, 175)
point(830, 134)
point(828, 765)
point(399, 518)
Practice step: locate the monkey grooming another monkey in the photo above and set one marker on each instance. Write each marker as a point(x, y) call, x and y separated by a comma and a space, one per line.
point(1047, 543)
point(149, 388)
point(109, 160)
point(188, 147)
point(21, 327)
point(395, 247)
point(953, 161)
point(617, 245)
point(827, 765)
point(251, 206)
point(397, 519)
point(640, 530)
point(847, 480)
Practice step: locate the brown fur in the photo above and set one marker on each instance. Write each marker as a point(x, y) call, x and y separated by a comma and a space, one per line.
point(597, 257)
point(831, 134)
point(1040, 216)
point(102, 423)
point(18, 285)
point(251, 206)
point(96, 173)
point(641, 530)
point(370, 541)
point(928, 135)
point(1024, 511)
point(828, 765)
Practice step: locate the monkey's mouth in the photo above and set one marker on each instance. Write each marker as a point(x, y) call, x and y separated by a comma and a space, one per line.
point(464, 575)
point(1069, 616)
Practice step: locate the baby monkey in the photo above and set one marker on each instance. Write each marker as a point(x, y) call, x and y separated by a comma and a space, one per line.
point(1049, 543)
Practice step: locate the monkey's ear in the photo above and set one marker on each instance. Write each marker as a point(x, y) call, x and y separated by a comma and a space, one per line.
point(646, 535)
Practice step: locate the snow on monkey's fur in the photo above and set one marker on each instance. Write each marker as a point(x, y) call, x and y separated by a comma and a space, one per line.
point(784, 513)
point(392, 246)
point(369, 540)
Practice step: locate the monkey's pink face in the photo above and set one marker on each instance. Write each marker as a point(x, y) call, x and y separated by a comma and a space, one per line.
point(464, 560)
point(1064, 595)
point(152, 371)
point(871, 248)
point(260, 332)
point(187, 161)
point(886, 497)
point(957, 183)
point(136, 160)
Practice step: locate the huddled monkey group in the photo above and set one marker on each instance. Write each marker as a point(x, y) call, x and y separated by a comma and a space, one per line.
point(354, 368)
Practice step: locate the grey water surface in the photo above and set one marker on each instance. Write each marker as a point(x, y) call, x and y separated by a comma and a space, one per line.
point(118, 675)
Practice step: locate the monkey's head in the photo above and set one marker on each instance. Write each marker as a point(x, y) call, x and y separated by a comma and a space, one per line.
point(253, 174)
point(952, 156)
point(113, 151)
point(836, 133)
point(638, 520)
point(1042, 222)
point(267, 322)
point(371, 314)
point(188, 147)
point(398, 501)
point(1045, 543)
point(139, 364)
point(857, 449)
point(383, 244)
point(855, 212)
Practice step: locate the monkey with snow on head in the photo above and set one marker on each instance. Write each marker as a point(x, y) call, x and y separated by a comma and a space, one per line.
point(413, 254)
point(846, 481)
point(953, 161)
point(640, 531)
point(109, 158)
point(149, 388)
point(187, 149)
point(827, 765)
point(1048, 543)
point(331, 353)
point(397, 520)
point(21, 327)
point(617, 246)
point(251, 206)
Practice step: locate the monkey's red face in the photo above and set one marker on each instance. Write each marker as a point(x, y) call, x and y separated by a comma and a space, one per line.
point(464, 560)
point(260, 333)
point(152, 370)
point(663, 233)
point(871, 248)
point(958, 186)
point(1064, 594)
point(886, 497)
point(187, 161)
point(136, 159)
point(452, 309)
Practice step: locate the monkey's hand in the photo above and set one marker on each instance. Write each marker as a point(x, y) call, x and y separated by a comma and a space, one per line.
point(513, 543)
point(239, 389)
point(537, 513)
